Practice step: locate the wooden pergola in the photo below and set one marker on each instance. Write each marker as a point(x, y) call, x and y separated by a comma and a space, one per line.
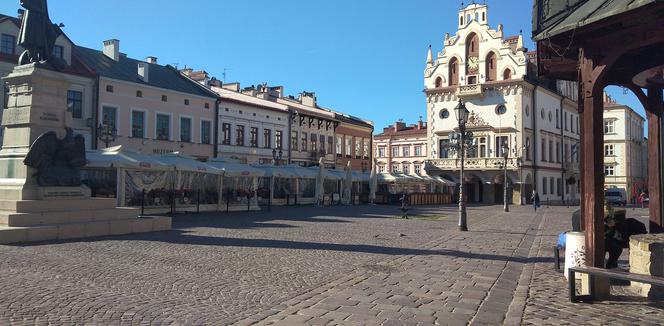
point(601, 43)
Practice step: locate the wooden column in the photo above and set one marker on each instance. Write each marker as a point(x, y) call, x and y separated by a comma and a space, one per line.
point(591, 109)
point(655, 109)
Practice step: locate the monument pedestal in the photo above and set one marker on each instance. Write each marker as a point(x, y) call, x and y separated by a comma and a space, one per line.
point(36, 104)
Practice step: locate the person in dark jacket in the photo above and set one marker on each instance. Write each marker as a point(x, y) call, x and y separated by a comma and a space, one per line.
point(535, 199)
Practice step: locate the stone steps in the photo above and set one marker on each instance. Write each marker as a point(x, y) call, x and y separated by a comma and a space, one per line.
point(35, 206)
point(65, 217)
point(69, 231)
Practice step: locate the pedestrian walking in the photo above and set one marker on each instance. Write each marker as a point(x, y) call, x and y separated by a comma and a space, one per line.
point(642, 199)
point(536, 200)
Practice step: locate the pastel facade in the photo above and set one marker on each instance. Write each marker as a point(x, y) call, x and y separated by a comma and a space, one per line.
point(625, 150)
point(402, 149)
point(494, 76)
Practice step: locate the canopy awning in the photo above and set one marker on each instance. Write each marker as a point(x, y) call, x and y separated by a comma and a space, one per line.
point(189, 164)
point(288, 172)
point(117, 157)
point(237, 169)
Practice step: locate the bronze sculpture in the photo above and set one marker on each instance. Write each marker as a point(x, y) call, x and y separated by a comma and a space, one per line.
point(58, 161)
point(38, 34)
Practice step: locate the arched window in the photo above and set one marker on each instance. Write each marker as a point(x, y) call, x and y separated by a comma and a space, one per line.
point(454, 72)
point(467, 18)
point(461, 20)
point(483, 16)
point(477, 16)
point(491, 69)
point(439, 82)
point(507, 74)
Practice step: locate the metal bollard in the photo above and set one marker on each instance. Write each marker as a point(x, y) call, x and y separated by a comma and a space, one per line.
point(142, 203)
point(228, 202)
point(295, 202)
point(198, 201)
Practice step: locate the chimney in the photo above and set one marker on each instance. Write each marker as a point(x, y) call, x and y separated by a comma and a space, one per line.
point(400, 125)
point(144, 71)
point(420, 124)
point(112, 49)
point(151, 59)
point(21, 13)
point(308, 99)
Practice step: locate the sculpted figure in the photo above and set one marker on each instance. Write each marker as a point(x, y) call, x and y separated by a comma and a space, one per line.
point(38, 34)
point(58, 161)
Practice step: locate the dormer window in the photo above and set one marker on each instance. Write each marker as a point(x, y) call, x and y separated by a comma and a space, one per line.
point(461, 20)
point(8, 44)
point(207, 105)
point(109, 88)
point(186, 102)
point(58, 52)
point(439, 82)
point(164, 98)
point(139, 94)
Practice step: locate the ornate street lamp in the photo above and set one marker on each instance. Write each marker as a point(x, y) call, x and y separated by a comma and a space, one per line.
point(459, 142)
point(106, 133)
point(277, 156)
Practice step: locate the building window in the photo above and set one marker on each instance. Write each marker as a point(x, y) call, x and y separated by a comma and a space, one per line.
point(185, 129)
point(339, 146)
point(305, 142)
point(239, 135)
point(406, 168)
point(8, 44)
point(418, 150)
point(552, 185)
point(164, 98)
point(544, 186)
point(294, 140)
point(139, 94)
point(444, 147)
point(527, 148)
point(439, 82)
point(366, 148)
point(609, 150)
point(253, 137)
point(609, 170)
point(321, 144)
point(566, 156)
point(418, 169)
point(226, 132)
point(406, 151)
point(278, 139)
point(543, 150)
point(381, 151)
point(58, 52)
point(109, 88)
point(163, 127)
point(550, 150)
point(395, 168)
point(381, 168)
point(557, 120)
point(500, 140)
point(330, 144)
point(109, 118)
point(186, 101)
point(358, 147)
point(314, 143)
point(609, 126)
point(565, 119)
point(75, 104)
point(558, 152)
point(482, 147)
point(206, 128)
point(349, 146)
point(267, 138)
point(137, 124)
point(395, 151)
point(207, 106)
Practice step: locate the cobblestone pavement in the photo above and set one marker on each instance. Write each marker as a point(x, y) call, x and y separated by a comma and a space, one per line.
point(292, 266)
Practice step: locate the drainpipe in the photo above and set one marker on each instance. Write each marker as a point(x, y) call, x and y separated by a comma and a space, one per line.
point(535, 140)
point(562, 153)
point(290, 135)
point(371, 151)
point(95, 113)
point(215, 151)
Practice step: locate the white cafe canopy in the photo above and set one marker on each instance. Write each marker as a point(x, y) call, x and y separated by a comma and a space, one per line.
point(189, 164)
point(232, 169)
point(117, 157)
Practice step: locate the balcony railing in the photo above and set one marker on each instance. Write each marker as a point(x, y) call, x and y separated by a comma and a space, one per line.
point(466, 91)
point(492, 163)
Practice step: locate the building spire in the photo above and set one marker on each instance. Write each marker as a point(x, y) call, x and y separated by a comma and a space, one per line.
point(429, 56)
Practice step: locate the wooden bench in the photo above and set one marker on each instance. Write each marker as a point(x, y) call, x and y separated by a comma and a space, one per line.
point(610, 274)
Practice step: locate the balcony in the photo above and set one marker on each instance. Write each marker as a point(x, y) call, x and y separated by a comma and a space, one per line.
point(491, 163)
point(470, 91)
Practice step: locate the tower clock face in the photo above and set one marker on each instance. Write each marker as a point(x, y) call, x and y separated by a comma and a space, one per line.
point(473, 63)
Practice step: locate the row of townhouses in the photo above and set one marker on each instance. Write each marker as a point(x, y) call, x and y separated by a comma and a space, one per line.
point(536, 120)
point(155, 109)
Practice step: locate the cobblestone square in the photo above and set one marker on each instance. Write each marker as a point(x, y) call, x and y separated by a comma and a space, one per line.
point(330, 266)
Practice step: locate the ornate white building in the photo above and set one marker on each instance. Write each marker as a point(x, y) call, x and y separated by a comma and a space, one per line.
point(494, 76)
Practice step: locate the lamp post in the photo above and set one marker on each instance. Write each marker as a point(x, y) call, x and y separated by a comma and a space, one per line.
point(459, 141)
point(506, 153)
point(276, 156)
point(107, 133)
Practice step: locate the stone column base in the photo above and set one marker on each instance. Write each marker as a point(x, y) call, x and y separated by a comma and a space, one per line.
point(646, 256)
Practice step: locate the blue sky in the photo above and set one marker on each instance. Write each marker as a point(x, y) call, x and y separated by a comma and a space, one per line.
point(363, 57)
